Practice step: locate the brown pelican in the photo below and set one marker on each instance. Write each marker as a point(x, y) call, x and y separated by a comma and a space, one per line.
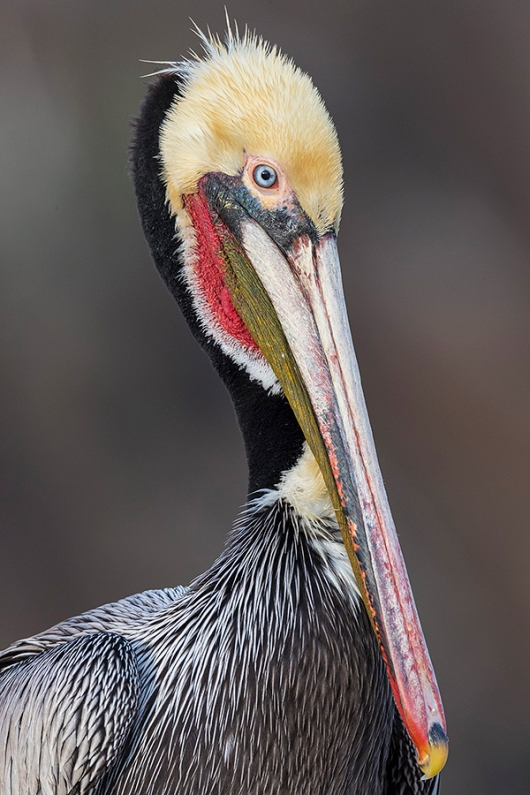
point(296, 664)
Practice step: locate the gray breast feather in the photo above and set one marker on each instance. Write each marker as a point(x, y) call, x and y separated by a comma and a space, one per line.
point(65, 714)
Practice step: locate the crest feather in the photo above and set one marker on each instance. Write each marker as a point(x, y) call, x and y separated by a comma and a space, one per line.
point(244, 97)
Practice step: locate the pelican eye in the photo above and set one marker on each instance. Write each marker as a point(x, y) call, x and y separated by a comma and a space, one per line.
point(265, 176)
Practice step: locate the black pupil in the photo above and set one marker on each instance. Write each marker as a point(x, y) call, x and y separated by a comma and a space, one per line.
point(266, 175)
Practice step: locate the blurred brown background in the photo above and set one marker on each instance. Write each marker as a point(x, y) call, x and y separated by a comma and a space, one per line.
point(121, 467)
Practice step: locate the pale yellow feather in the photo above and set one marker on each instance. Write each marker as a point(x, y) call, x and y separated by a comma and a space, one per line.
point(246, 98)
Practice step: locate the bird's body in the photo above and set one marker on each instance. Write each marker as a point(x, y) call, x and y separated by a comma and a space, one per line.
point(250, 684)
point(264, 676)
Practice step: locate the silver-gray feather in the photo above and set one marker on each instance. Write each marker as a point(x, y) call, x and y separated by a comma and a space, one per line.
point(71, 708)
point(259, 678)
point(68, 697)
point(120, 617)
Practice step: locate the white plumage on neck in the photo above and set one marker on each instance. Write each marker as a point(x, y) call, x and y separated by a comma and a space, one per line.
point(304, 489)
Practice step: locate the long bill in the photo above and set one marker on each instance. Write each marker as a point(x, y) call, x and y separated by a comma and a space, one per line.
point(292, 302)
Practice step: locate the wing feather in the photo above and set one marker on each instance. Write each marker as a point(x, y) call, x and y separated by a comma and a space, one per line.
point(119, 617)
point(65, 715)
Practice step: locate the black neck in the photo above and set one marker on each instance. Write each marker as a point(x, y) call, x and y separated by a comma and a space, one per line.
point(273, 439)
point(272, 436)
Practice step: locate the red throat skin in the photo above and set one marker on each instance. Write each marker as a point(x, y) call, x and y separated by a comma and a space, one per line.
point(210, 270)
